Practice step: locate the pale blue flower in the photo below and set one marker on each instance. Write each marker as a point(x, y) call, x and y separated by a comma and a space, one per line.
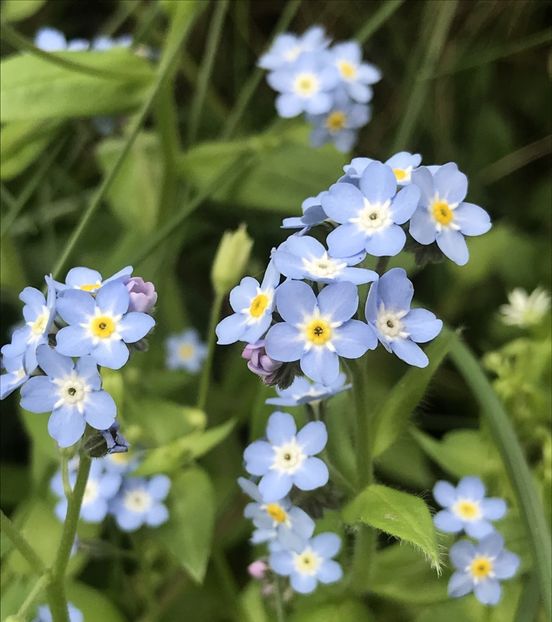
point(120, 462)
point(442, 215)
point(400, 328)
point(45, 615)
point(305, 86)
point(253, 305)
point(287, 47)
point(318, 330)
point(304, 257)
point(14, 377)
point(467, 508)
point(303, 391)
point(355, 76)
point(100, 325)
point(72, 393)
point(104, 43)
point(52, 40)
point(139, 502)
point(278, 522)
point(286, 458)
point(313, 214)
point(313, 564)
point(370, 215)
point(402, 164)
point(91, 280)
point(480, 568)
point(185, 350)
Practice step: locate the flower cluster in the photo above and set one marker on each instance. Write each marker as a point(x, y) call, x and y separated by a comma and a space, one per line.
point(52, 40)
point(480, 566)
point(330, 85)
point(185, 350)
point(111, 489)
point(79, 325)
point(285, 460)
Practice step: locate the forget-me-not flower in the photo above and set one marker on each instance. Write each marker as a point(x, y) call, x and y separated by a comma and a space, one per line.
point(317, 331)
point(442, 215)
point(304, 257)
point(480, 567)
point(139, 502)
point(370, 215)
point(185, 350)
point(91, 280)
point(305, 86)
point(14, 377)
point(286, 458)
point(45, 615)
point(287, 47)
point(311, 565)
point(467, 508)
point(355, 76)
point(303, 391)
point(120, 462)
point(100, 325)
point(72, 393)
point(313, 214)
point(280, 521)
point(402, 165)
point(252, 304)
point(52, 40)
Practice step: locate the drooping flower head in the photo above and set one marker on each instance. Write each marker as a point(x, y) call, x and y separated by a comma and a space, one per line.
point(466, 508)
point(355, 75)
point(139, 502)
point(302, 391)
point(398, 327)
point(287, 47)
point(286, 457)
point(15, 375)
point(185, 350)
point(480, 568)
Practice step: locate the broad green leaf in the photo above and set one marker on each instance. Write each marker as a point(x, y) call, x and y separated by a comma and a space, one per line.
point(93, 603)
point(399, 514)
point(34, 89)
point(17, 10)
point(392, 418)
point(406, 463)
point(188, 533)
point(333, 612)
point(461, 452)
point(172, 456)
point(252, 603)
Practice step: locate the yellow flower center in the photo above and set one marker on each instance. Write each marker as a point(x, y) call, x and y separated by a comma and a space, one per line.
point(347, 69)
point(89, 287)
point(481, 567)
point(186, 351)
point(442, 212)
point(400, 174)
point(258, 305)
point(306, 562)
point(103, 326)
point(318, 332)
point(467, 510)
point(276, 512)
point(39, 325)
point(335, 121)
point(306, 84)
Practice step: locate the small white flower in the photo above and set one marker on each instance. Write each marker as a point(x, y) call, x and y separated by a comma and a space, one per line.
point(525, 309)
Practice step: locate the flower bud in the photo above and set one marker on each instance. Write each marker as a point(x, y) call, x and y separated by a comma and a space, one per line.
point(257, 569)
point(260, 363)
point(142, 294)
point(231, 258)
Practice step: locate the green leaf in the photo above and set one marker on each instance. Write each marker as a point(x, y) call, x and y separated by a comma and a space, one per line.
point(460, 452)
point(406, 463)
point(252, 603)
point(11, 269)
point(44, 451)
point(333, 612)
point(17, 10)
point(399, 514)
point(392, 418)
point(34, 89)
point(93, 604)
point(172, 456)
point(188, 533)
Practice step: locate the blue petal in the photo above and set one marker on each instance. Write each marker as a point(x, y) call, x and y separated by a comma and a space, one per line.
point(478, 529)
point(303, 584)
point(288, 264)
point(87, 369)
point(126, 520)
point(250, 488)
point(313, 437)
point(447, 522)
point(444, 493)
point(281, 563)
point(254, 332)
point(395, 290)
point(462, 553)
point(405, 203)
point(301, 522)
point(258, 457)
point(133, 326)
point(66, 426)
point(33, 298)
point(320, 365)
point(52, 363)
point(327, 545)
point(94, 512)
point(230, 329)
point(330, 572)
point(281, 428)
point(312, 474)
point(451, 184)
point(453, 245)
point(372, 302)
point(242, 294)
point(378, 183)
point(339, 301)
point(113, 298)
point(271, 277)
point(505, 565)
point(284, 343)
point(460, 584)
point(75, 306)
point(109, 484)
point(82, 276)
point(488, 592)
point(275, 486)
point(288, 105)
point(73, 341)
point(423, 178)
point(121, 276)
point(491, 545)
point(422, 228)
point(342, 202)
point(472, 219)
point(493, 508)
point(319, 104)
point(422, 325)
point(409, 352)
point(38, 395)
point(112, 354)
point(353, 339)
point(358, 276)
point(100, 410)
point(388, 242)
point(346, 240)
point(471, 487)
point(294, 301)
point(157, 515)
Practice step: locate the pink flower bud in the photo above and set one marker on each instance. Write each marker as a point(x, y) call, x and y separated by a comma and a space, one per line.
point(257, 569)
point(260, 363)
point(142, 295)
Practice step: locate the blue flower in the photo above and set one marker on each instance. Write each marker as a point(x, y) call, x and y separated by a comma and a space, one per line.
point(139, 502)
point(313, 215)
point(287, 457)
point(398, 327)
point(282, 523)
point(466, 508)
point(44, 614)
point(480, 568)
point(14, 377)
point(311, 565)
point(304, 257)
point(355, 75)
point(120, 462)
point(287, 47)
point(104, 43)
point(72, 393)
point(402, 164)
point(185, 351)
point(340, 124)
point(91, 280)
point(39, 314)
point(302, 391)
point(371, 214)
point(101, 487)
point(317, 331)
point(100, 326)
point(442, 215)
point(305, 86)
point(253, 304)
point(52, 40)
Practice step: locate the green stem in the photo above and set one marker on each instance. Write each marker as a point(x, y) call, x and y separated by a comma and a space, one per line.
point(39, 586)
point(21, 544)
point(528, 604)
point(279, 601)
point(206, 373)
point(228, 585)
point(515, 464)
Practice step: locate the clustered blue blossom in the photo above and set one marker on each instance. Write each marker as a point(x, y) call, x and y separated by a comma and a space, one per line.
point(52, 40)
point(478, 567)
point(331, 85)
point(79, 325)
point(287, 459)
point(185, 350)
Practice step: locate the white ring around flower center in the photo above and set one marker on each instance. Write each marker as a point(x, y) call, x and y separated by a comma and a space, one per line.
point(307, 563)
point(467, 510)
point(324, 267)
point(72, 391)
point(288, 457)
point(373, 217)
point(389, 323)
point(306, 84)
point(138, 500)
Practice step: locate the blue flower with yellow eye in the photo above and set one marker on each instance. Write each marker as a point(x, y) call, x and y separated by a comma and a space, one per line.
point(15, 375)
point(355, 75)
point(91, 280)
point(52, 40)
point(287, 47)
point(140, 502)
point(303, 391)
point(252, 304)
point(186, 351)
point(318, 330)
point(313, 214)
point(402, 165)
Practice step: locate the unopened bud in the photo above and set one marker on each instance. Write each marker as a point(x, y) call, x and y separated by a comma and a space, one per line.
point(231, 259)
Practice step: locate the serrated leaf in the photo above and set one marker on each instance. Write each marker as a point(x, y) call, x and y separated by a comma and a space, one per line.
point(397, 513)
